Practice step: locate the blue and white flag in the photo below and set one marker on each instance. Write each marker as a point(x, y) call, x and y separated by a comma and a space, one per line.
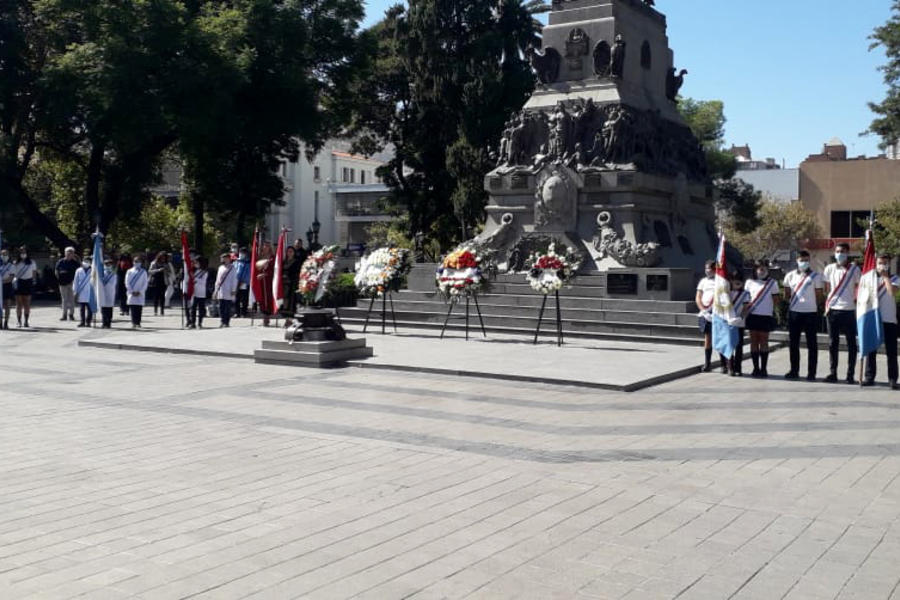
point(725, 332)
point(868, 317)
point(97, 273)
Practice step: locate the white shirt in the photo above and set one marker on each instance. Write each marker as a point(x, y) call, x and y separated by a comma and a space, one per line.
point(805, 302)
point(7, 272)
point(846, 300)
point(707, 289)
point(136, 280)
point(110, 282)
point(765, 306)
point(23, 270)
point(887, 304)
point(200, 277)
point(82, 285)
point(226, 282)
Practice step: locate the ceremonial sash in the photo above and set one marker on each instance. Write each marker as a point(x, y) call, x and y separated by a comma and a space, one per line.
point(882, 289)
point(107, 278)
point(739, 301)
point(220, 281)
point(135, 278)
point(706, 307)
point(84, 282)
point(839, 288)
point(21, 271)
point(760, 295)
point(801, 288)
point(4, 270)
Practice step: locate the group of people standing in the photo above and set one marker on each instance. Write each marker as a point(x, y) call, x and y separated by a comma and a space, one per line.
point(131, 283)
point(806, 292)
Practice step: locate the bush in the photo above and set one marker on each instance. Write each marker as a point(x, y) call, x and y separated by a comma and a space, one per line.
point(341, 292)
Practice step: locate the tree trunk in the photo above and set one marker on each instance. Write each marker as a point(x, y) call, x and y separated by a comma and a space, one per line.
point(239, 233)
point(42, 222)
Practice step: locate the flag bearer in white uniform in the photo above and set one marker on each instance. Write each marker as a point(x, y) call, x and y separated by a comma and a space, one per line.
point(841, 281)
point(136, 281)
point(739, 299)
point(803, 291)
point(198, 301)
point(82, 292)
point(760, 316)
point(706, 291)
point(887, 306)
point(226, 289)
point(107, 300)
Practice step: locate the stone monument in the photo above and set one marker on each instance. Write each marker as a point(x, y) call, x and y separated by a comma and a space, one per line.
point(599, 158)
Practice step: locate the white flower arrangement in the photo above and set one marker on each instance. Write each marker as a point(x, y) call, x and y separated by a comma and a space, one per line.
point(316, 273)
point(549, 272)
point(381, 271)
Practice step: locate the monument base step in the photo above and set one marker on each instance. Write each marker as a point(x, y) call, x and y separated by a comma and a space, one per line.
point(313, 354)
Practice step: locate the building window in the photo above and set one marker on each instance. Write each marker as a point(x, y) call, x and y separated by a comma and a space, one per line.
point(317, 173)
point(352, 175)
point(345, 175)
point(848, 223)
point(362, 177)
point(646, 58)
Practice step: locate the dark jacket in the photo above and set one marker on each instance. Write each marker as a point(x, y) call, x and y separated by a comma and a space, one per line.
point(65, 271)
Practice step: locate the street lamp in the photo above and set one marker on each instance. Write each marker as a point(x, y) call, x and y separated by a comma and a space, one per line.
point(316, 227)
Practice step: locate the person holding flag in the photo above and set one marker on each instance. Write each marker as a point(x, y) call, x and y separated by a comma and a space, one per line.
point(887, 305)
point(198, 293)
point(136, 280)
point(724, 321)
point(803, 291)
point(187, 282)
point(869, 326)
point(84, 293)
point(739, 299)
point(278, 272)
point(841, 281)
point(108, 283)
point(98, 291)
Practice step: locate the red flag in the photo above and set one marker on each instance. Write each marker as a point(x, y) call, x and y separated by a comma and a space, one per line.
point(255, 282)
point(277, 282)
point(188, 267)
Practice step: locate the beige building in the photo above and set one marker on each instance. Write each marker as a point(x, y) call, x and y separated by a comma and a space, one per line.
point(841, 191)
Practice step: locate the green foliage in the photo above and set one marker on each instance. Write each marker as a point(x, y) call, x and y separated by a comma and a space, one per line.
point(781, 227)
point(706, 118)
point(445, 77)
point(738, 205)
point(158, 227)
point(887, 123)
point(887, 227)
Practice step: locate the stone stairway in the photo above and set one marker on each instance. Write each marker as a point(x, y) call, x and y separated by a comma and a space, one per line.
point(510, 306)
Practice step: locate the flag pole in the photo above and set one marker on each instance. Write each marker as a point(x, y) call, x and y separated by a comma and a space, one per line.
point(184, 275)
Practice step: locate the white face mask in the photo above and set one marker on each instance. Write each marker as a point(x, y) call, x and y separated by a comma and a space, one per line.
point(137, 263)
point(4, 258)
point(86, 264)
point(23, 256)
point(840, 257)
point(802, 265)
point(762, 273)
point(882, 268)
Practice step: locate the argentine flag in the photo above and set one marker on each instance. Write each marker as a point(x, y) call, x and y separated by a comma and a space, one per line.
point(868, 317)
point(97, 273)
point(725, 332)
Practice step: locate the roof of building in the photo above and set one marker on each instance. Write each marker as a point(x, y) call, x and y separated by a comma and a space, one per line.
point(353, 156)
point(835, 141)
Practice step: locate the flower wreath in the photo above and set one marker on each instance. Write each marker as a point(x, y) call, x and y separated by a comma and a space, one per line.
point(550, 271)
point(381, 271)
point(461, 272)
point(316, 274)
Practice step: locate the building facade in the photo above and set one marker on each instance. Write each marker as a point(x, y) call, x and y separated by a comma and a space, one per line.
point(311, 192)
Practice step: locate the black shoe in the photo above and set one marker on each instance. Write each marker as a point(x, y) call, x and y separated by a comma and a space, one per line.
point(763, 373)
point(867, 383)
point(706, 368)
point(63, 318)
point(811, 377)
point(792, 375)
point(894, 385)
point(755, 373)
point(724, 370)
point(851, 380)
point(831, 378)
point(82, 324)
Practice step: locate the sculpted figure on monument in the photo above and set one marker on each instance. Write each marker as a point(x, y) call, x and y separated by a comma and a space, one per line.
point(617, 64)
point(576, 48)
point(559, 126)
point(628, 254)
point(674, 83)
point(545, 64)
point(517, 141)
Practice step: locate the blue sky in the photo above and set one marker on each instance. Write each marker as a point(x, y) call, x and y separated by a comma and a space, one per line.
point(792, 73)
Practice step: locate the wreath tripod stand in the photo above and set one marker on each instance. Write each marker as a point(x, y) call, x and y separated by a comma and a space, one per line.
point(477, 310)
point(559, 331)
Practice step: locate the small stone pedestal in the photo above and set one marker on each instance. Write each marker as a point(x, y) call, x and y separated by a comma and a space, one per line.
point(316, 340)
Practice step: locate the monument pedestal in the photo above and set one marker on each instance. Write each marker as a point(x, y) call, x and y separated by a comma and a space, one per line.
point(316, 340)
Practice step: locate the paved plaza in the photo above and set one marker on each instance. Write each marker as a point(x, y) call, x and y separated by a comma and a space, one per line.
point(146, 475)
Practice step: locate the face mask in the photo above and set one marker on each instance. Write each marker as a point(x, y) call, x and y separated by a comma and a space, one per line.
point(762, 273)
point(243, 255)
point(802, 265)
point(108, 269)
point(881, 268)
point(86, 264)
point(4, 258)
point(137, 263)
point(23, 256)
point(840, 257)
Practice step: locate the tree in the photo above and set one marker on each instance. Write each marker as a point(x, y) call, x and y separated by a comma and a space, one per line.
point(887, 227)
point(706, 118)
point(738, 203)
point(887, 123)
point(782, 227)
point(445, 77)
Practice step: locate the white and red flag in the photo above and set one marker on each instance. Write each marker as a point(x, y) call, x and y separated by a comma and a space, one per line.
point(188, 267)
point(868, 318)
point(277, 280)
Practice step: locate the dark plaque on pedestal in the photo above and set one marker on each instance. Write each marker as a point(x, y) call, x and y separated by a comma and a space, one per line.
point(623, 284)
point(657, 283)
